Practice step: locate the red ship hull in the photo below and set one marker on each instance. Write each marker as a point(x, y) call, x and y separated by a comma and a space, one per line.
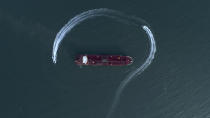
point(103, 60)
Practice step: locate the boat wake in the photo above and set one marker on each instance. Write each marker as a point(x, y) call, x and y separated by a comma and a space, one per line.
point(121, 17)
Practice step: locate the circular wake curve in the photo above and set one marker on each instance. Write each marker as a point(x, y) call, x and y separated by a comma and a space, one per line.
point(121, 17)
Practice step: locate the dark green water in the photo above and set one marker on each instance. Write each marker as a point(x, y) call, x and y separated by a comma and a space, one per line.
point(176, 84)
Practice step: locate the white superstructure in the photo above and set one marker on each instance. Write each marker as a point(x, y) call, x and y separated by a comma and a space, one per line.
point(84, 59)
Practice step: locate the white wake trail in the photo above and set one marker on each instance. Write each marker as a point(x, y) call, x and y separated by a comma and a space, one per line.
point(121, 17)
point(136, 72)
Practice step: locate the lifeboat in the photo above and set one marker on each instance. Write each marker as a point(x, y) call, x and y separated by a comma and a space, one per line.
point(103, 60)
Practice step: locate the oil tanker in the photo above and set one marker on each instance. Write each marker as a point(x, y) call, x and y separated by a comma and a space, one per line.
point(103, 60)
